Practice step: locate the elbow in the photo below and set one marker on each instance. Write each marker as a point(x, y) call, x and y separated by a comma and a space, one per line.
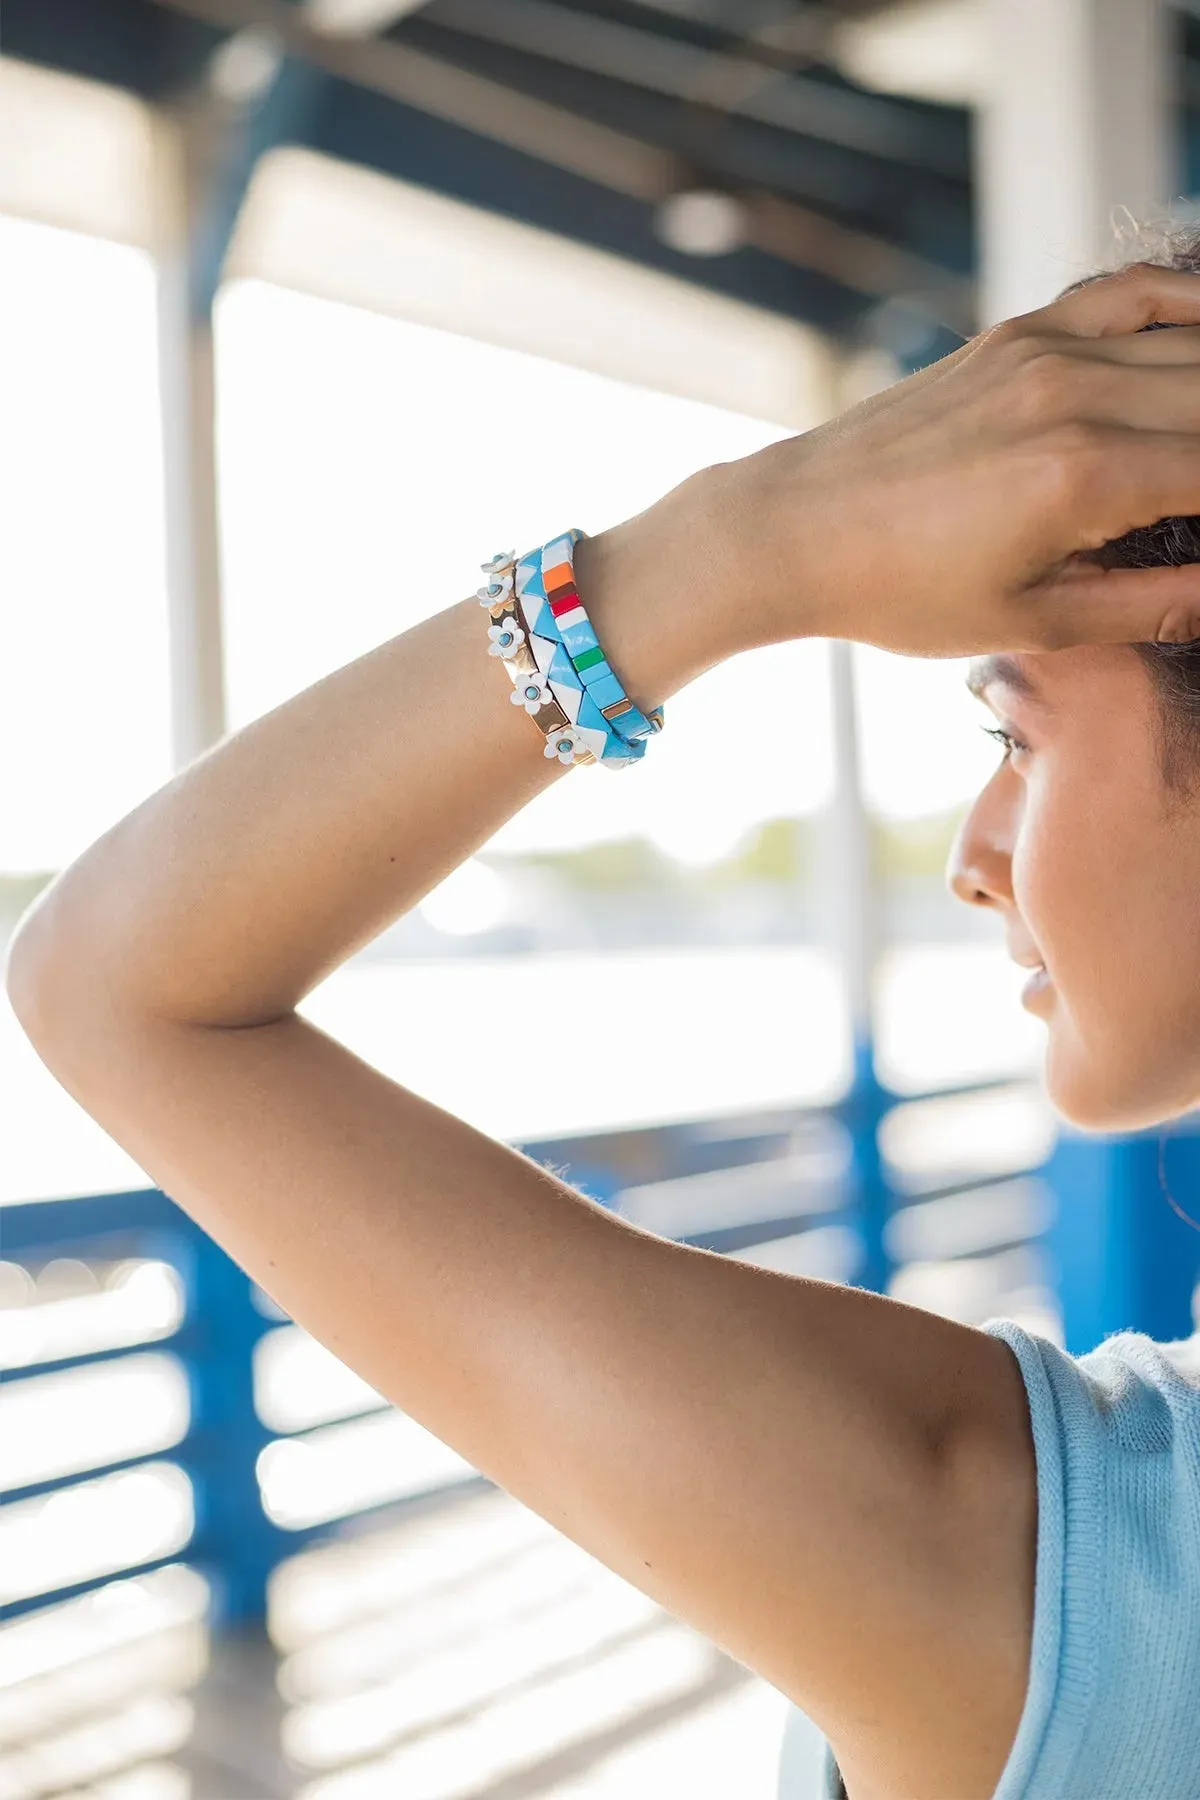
point(49, 977)
point(33, 970)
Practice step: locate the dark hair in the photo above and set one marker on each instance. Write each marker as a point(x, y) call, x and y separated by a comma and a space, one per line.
point(1174, 668)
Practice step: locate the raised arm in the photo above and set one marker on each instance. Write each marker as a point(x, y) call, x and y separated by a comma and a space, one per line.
point(836, 1487)
point(767, 1457)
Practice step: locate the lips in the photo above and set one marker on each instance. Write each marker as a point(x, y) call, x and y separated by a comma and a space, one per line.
point(1039, 983)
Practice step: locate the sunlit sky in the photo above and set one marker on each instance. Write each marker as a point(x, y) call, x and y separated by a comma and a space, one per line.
point(367, 466)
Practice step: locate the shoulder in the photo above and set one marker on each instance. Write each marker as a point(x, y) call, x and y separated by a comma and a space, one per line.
point(956, 1698)
point(1071, 1579)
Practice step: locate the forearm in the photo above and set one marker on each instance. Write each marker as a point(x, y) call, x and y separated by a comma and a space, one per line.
point(231, 892)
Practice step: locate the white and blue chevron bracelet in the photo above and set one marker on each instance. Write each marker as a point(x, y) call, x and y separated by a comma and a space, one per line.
point(560, 674)
point(545, 585)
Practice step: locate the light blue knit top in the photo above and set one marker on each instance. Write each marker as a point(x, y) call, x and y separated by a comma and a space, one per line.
point(1112, 1709)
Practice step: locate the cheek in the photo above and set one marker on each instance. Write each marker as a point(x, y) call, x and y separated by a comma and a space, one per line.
point(1111, 894)
point(1077, 868)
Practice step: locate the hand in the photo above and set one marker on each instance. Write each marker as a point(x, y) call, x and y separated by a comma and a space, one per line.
point(953, 513)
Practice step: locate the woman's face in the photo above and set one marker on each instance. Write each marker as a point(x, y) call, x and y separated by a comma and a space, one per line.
point(1094, 867)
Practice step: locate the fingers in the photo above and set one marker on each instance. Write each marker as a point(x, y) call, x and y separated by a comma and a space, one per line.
point(1091, 605)
point(1175, 344)
point(1112, 480)
point(1147, 398)
point(1051, 384)
point(1136, 297)
point(1092, 483)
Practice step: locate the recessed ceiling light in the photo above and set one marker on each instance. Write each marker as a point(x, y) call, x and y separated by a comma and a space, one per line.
point(702, 222)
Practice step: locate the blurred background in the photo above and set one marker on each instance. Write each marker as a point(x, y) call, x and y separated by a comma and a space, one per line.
point(306, 309)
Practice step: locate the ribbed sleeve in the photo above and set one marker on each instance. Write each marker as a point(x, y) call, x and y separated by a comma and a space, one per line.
point(1112, 1706)
point(1112, 1710)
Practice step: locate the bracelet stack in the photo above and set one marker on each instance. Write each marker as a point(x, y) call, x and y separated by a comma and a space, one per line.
point(541, 632)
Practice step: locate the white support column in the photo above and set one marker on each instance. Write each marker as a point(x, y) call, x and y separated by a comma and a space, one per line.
point(1077, 128)
point(851, 879)
point(197, 675)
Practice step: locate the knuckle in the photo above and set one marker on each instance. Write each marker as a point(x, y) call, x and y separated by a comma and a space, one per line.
point(1057, 633)
point(1072, 459)
point(1050, 382)
point(1008, 333)
point(1034, 625)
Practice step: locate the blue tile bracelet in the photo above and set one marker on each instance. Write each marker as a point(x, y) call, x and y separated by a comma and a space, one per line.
point(545, 584)
point(560, 674)
point(544, 679)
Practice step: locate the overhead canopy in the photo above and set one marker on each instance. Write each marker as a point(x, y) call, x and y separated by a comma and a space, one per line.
point(581, 118)
point(584, 117)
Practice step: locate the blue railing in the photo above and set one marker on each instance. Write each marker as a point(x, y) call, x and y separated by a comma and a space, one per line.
point(1114, 1250)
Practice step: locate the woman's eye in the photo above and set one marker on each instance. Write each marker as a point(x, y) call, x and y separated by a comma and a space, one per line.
point(1005, 738)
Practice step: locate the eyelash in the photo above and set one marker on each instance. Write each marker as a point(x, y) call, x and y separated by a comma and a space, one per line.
point(1006, 738)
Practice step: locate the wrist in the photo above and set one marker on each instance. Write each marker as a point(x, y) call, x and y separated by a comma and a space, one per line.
point(675, 589)
point(778, 508)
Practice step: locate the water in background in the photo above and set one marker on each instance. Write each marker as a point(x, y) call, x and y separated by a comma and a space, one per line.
point(491, 1039)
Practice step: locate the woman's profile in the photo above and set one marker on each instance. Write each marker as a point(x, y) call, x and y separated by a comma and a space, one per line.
point(972, 1560)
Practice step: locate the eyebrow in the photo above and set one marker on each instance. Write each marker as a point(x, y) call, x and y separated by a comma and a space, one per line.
point(1007, 672)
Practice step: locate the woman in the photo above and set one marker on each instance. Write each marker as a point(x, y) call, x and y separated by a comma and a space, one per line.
point(890, 1516)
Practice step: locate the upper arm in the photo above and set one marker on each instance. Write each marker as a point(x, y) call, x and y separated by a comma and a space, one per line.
point(811, 1475)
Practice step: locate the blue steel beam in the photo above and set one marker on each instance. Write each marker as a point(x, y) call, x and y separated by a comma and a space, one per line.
point(46, 1225)
point(235, 1544)
point(277, 117)
point(862, 1111)
point(130, 44)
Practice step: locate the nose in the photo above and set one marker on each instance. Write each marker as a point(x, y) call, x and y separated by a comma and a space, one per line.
point(979, 867)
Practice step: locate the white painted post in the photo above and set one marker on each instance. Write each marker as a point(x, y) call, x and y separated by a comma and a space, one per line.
point(1075, 132)
point(1076, 125)
point(185, 343)
point(853, 880)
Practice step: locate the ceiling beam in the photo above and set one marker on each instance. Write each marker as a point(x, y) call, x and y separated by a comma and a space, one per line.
point(869, 123)
point(857, 260)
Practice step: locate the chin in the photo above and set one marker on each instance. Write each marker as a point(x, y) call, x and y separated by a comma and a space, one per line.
point(1111, 1096)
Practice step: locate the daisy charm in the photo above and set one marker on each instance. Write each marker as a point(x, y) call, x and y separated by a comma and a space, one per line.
point(564, 743)
point(531, 692)
point(506, 637)
point(497, 589)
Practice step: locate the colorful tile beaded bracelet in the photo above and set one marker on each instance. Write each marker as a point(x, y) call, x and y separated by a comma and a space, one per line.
point(548, 576)
point(545, 680)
